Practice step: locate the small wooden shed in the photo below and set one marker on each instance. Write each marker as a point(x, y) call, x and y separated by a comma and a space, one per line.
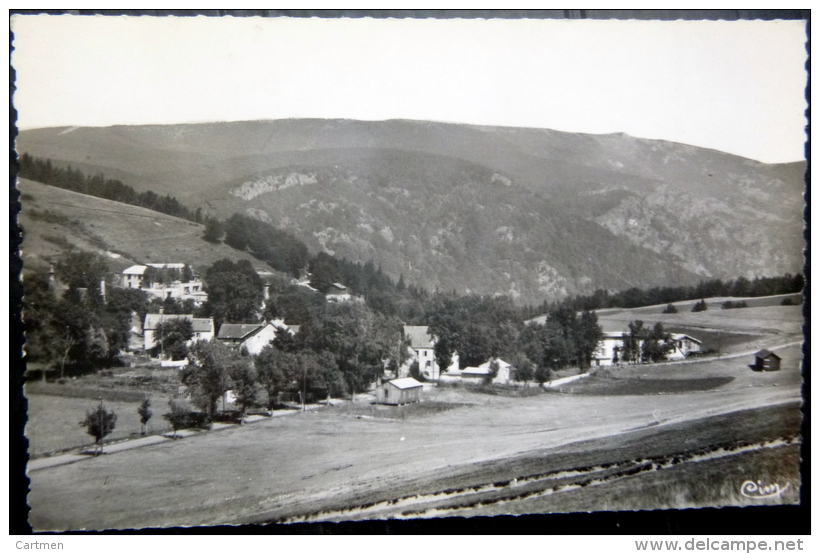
point(766, 360)
point(399, 391)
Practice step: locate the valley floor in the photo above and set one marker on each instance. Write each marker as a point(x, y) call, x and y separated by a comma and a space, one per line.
point(484, 455)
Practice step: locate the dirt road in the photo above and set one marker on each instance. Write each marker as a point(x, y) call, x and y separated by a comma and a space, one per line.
point(291, 465)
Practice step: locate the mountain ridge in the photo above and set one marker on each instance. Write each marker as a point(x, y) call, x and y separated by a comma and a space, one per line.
point(525, 205)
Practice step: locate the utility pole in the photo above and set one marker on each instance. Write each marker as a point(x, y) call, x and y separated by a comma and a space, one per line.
point(101, 414)
point(304, 382)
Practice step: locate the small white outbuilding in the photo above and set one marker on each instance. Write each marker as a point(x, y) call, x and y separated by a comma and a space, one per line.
point(399, 391)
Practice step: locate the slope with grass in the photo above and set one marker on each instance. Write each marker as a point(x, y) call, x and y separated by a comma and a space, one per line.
point(56, 220)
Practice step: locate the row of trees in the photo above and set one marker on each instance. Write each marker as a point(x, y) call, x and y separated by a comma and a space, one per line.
point(635, 297)
point(43, 171)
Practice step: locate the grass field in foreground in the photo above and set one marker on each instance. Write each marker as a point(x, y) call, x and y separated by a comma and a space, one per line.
point(688, 484)
point(53, 423)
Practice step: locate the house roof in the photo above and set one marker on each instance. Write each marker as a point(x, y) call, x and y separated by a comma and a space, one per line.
point(238, 331)
point(152, 320)
point(405, 383)
point(484, 369)
point(338, 286)
point(167, 266)
point(681, 336)
point(765, 354)
point(419, 336)
point(203, 325)
point(199, 324)
point(135, 270)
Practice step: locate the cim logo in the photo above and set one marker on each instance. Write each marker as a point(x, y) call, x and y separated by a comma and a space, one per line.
point(758, 489)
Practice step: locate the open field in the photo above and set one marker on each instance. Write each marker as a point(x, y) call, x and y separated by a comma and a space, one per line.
point(736, 330)
point(56, 220)
point(324, 460)
point(53, 423)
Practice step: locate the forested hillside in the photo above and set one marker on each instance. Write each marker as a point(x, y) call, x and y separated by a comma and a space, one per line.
point(536, 214)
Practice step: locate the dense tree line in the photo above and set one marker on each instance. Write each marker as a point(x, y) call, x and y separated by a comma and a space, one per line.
point(635, 297)
point(43, 171)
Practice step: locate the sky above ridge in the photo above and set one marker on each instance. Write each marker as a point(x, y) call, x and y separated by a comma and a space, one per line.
point(735, 86)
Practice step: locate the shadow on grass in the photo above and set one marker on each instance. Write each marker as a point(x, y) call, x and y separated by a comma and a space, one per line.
point(620, 387)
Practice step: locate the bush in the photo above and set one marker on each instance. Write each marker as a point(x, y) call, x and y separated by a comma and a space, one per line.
point(699, 306)
point(670, 309)
point(787, 302)
point(729, 305)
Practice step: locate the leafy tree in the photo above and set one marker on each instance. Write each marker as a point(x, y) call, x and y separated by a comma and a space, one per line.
point(632, 342)
point(543, 374)
point(588, 335)
point(657, 345)
point(235, 291)
point(208, 377)
point(178, 416)
point(524, 369)
point(670, 309)
point(83, 270)
point(214, 230)
point(494, 368)
point(272, 368)
point(245, 388)
point(172, 336)
point(358, 338)
point(99, 423)
point(145, 413)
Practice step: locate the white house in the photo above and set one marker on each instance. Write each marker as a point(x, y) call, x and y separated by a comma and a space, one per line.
point(684, 345)
point(134, 277)
point(422, 343)
point(481, 373)
point(203, 327)
point(251, 336)
point(610, 348)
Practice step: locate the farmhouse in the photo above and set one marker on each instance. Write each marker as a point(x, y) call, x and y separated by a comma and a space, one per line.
point(399, 391)
point(338, 293)
point(253, 337)
point(684, 345)
point(483, 373)
point(203, 327)
point(766, 360)
point(610, 347)
point(422, 343)
point(138, 277)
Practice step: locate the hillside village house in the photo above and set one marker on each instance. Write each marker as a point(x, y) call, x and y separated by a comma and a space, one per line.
point(135, 277)
point(338, 293)
point(422, 343)
point(203, 327)
point(611, 346)
point(253, 337)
